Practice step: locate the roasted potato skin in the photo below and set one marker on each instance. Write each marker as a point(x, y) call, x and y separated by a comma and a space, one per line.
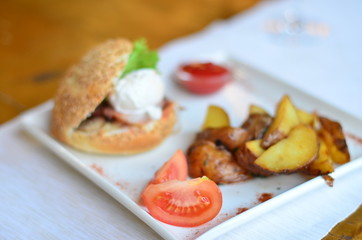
point(332, 133)
point(293, 153)
point(290, 141)
point(322, 165)
point(230, 137)
point(257, 124)
point(285, 119)
point(280, 158)
point(246, 157)
point(205, 158)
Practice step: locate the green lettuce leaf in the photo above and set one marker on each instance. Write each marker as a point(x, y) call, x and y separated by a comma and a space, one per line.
point(141, 57)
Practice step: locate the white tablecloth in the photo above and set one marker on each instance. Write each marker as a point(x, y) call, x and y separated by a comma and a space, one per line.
point(43, 198)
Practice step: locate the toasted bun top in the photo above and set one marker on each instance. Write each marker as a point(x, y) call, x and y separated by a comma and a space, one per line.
point(87, 83)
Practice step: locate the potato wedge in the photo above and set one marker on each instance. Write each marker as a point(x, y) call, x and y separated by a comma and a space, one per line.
point(255, 109)
point(216, 117)
point(247, 154)
point(305, 117)
point(332, 133)
point(323, 164)
point(285, 119)
point(292, 153)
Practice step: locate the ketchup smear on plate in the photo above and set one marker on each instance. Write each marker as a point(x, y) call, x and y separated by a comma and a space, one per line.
point(203, 78)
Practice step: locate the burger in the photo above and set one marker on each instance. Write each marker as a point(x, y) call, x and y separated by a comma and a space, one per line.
point(113, 101)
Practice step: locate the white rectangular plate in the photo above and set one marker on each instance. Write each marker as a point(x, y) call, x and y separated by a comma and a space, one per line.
point(124, 177)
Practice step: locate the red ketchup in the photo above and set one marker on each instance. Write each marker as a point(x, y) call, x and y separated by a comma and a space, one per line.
point(203, 78)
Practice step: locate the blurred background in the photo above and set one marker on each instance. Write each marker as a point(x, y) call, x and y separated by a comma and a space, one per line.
point(40, 39)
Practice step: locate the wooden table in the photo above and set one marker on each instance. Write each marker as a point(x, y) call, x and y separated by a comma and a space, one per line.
point(40, 39)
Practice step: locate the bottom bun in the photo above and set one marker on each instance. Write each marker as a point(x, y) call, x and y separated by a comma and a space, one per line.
point(100, 136)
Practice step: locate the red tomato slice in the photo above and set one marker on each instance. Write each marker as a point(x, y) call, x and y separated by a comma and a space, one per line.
point(174, 169)
point(183, 203)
